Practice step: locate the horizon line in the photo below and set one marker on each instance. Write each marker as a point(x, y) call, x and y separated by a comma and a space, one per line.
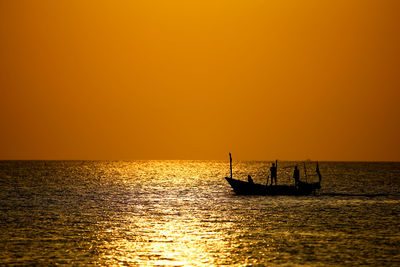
point(259, 160)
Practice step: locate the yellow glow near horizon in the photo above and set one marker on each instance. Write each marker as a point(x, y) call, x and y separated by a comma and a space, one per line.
point(196, 79)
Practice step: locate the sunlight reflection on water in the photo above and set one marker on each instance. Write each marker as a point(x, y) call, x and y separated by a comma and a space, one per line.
point(184, 213)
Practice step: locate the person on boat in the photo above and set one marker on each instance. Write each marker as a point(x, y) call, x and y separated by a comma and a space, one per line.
point(296, 175)
point(273, 173)
point(250, 179)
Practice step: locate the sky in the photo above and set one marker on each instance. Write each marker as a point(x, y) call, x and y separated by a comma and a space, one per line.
point(177, 79)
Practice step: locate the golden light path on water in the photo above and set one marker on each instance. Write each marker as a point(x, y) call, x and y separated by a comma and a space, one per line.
point(174, 221)
point(164, 229)
point(171, 243)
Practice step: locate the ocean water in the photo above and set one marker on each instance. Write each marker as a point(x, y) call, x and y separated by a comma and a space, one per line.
point(185, 213)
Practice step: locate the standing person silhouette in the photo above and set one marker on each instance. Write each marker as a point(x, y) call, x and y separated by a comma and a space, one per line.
point(250, 180)
point(273, 170)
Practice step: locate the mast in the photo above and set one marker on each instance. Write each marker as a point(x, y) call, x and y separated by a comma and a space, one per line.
point(230, 159)
point(318, 173)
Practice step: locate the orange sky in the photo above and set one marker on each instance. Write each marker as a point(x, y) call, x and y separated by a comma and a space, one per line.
point(197, 79)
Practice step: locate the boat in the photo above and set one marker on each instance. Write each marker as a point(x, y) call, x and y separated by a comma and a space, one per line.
point(248, 188)
point(300, 188)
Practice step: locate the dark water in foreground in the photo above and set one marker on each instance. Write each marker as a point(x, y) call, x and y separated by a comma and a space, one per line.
point(184, 213)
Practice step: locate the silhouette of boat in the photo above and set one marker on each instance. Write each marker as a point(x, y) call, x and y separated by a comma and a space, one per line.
point(250, 188)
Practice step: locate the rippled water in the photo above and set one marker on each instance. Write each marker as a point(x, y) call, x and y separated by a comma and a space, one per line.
point(185, 213)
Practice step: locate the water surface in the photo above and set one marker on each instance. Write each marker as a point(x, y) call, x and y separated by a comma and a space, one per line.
point(185, 213)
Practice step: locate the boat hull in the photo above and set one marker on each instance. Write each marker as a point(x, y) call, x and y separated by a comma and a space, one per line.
point(247, 188)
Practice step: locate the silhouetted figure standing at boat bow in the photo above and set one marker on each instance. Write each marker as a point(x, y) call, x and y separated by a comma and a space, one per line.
point(273, 171)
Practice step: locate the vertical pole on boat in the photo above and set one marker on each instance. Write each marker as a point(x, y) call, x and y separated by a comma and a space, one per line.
point(305, 171)
point(318, 173)
point(230, 159)
point(276, 177)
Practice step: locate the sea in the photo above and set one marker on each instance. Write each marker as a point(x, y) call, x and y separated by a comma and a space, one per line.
point(184, 213)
